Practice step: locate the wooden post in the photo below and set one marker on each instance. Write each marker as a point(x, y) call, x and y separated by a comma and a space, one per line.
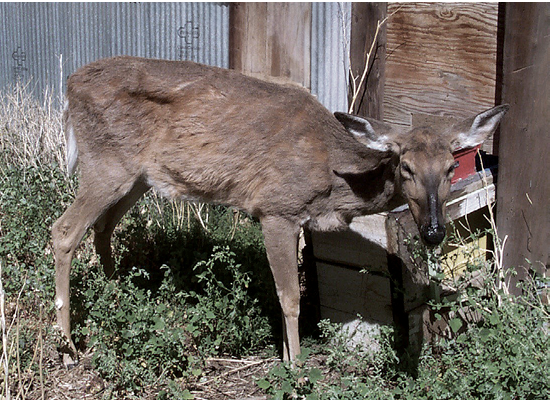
point(274, 39)
point(271, 39)
point(364, 19)
point(396, 271)
point(523, 191)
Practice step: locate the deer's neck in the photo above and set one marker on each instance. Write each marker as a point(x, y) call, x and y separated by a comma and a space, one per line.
point(356, 194)
point(374, 191)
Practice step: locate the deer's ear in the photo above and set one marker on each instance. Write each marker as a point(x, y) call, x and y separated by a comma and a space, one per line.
point(475, 130)
point(374, 134)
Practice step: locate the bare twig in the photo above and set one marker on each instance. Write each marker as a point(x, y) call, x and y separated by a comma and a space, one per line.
point(232, 360)
point(366, 69)
point(40, 362)
point(235, 370)
point(356, 89)
point(5, 363)
point(498, 244)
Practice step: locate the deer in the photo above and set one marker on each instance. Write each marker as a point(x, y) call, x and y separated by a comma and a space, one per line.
point(202, 133)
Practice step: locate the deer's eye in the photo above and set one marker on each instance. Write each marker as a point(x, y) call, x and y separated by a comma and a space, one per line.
point(407, 170)
point(452, 168)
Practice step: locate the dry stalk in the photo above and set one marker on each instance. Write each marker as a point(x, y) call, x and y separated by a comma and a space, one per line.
point(41, 360)
point(18, 360)
point(16, 318)
point(5, 363)
point(498, 251)
point(235, 223)
point(197, 210)
point(356, 89)
point(179, 214)
point(31, 132)
point(235, 370)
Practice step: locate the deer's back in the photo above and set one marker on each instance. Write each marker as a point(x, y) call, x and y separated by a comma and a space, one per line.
point(204, 133)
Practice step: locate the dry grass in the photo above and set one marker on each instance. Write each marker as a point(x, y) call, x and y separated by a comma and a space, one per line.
point(31, 131)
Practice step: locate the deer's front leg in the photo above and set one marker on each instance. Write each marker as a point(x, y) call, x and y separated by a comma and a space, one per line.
point(281, 241)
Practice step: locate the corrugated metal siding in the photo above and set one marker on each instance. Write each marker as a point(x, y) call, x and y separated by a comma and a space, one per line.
point(331, 25)
point(34, 35)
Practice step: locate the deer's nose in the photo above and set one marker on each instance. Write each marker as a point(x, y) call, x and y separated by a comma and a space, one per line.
point(433, 234)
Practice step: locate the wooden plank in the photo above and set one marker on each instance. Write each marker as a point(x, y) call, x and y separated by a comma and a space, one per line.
point(365, 17)
point(441, 60)
point(413, 276)
point(524, 182)
point(272, 39)
point(289, 41)
point(471, 202)
point(248, 37)
point(352, 292)
point(351, 249)
point(370, 227)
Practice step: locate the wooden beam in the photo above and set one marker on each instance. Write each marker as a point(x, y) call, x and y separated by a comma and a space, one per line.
point(271, 39)
point(364, 19)
point(247, 37)
point(523, 190)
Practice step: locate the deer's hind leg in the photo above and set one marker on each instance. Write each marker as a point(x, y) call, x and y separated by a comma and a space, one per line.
point(96, 195)
point(105, 225)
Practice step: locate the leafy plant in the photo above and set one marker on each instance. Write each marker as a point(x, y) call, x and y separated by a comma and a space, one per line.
point(496, 347)
point(136, 335)
point(31, 198)
point(502, 353)
point(224, 317)
point(286, 381)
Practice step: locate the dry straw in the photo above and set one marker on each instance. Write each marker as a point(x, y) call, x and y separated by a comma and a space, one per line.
point(31, 131)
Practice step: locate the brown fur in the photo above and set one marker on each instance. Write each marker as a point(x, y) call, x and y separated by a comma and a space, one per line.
point(214, 135)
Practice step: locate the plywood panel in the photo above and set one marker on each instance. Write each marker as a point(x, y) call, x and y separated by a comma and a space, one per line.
point(441, 60)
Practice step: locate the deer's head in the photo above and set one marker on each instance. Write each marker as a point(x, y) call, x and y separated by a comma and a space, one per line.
point(426, 164)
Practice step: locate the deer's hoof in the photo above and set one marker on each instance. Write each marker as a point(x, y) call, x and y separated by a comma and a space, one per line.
point(69, 361)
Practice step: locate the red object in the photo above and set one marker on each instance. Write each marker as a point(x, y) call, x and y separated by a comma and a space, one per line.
point(467, 163)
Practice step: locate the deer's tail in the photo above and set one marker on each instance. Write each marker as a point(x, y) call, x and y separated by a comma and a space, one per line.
point(71, 146)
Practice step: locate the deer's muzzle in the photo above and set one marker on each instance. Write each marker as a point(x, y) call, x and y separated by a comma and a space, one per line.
point(433, 232)
point(433, 235)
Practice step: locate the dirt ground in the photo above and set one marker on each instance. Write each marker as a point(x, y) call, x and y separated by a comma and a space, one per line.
point(223, 379)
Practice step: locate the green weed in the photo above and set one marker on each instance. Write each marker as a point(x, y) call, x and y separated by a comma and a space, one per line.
point(224, 319)
point(143, 329)
point(497, 347)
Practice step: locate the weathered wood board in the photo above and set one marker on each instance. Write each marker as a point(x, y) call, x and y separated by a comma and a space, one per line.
point(346, 293)
point(365, 18)
point(272, 39)
point(441, 60)
point(524, 181)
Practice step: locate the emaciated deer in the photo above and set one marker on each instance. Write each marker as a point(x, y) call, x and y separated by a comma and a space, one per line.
point(213, 135)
